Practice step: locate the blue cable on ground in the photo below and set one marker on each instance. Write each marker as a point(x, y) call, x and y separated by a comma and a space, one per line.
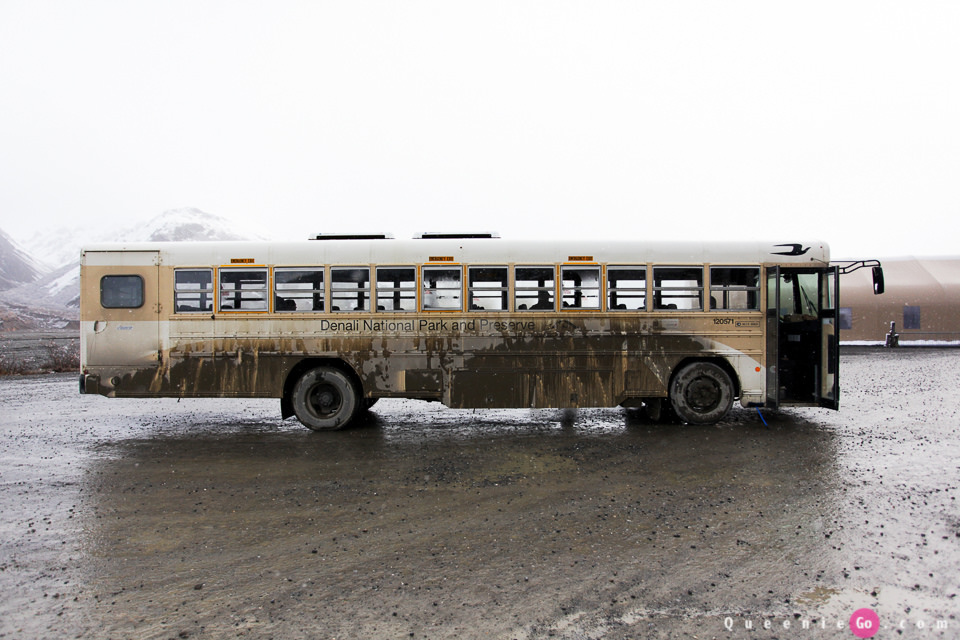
point(762, 419)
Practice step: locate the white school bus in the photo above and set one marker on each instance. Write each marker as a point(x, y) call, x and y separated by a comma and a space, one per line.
point(331, 325)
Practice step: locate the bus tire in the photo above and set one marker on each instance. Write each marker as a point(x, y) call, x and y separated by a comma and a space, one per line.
point(701, 393)
point(325, 399)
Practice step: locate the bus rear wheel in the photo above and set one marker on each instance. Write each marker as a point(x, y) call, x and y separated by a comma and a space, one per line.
point(325, 399)
point(701, 393)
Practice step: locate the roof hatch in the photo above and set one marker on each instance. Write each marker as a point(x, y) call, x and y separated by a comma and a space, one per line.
point(434, 235)
point(352, 236)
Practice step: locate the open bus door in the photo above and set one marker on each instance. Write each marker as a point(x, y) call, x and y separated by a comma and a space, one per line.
point(773, 338)
point(803, 354)
point(829, 340)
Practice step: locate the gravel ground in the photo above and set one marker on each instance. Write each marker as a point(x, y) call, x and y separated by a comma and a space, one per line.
point(215, 519)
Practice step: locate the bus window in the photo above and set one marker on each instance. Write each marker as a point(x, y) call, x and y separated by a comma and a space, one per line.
point(350, 289)
point(488, 288)
point(678, 288)
point(581, 287)
point(193, 290)
point(243, 289)
point(535, 288)
point(626, 288)
point(799, 299)
point(396, 289)
point(735, 288)
point(298, 289)
point(442, 289)
point(121, 292)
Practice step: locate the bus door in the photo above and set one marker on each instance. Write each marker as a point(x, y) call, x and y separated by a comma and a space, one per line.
point(773, 338)
point(829, 339)
point(121, 303)
point(802, 338)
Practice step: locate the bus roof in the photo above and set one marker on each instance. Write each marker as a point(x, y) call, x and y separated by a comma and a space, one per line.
point(474, 251)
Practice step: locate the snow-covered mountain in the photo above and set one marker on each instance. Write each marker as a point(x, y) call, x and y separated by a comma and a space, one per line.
point(53, 285)
point(58, 247)
point(17, 267)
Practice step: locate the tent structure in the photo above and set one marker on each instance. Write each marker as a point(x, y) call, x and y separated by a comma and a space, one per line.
point(922, 297)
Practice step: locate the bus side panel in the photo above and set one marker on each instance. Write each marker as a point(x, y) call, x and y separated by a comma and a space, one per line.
point(584, 363)
point(248, 365)
point(602, 370)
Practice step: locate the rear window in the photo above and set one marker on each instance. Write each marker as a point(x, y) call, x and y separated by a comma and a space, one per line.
point(121, 292)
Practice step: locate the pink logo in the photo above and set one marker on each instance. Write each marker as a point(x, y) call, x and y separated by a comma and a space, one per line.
point(864, 623)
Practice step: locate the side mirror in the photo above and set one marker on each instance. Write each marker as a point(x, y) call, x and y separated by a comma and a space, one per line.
point(877, 280)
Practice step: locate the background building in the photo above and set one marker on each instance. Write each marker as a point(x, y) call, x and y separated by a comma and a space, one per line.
point(922, 296)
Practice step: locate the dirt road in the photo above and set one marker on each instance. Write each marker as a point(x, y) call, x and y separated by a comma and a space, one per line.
point(214, 519)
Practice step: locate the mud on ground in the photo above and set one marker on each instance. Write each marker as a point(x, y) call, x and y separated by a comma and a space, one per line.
point(214, 519)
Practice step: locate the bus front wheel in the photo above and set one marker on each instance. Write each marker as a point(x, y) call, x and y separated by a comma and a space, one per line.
point(701, 393)
point(325, 399)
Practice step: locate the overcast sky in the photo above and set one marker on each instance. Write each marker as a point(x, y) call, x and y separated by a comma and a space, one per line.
point(834, 120)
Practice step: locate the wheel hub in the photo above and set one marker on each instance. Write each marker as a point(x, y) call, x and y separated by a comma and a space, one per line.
point(325, 399)
point(703, 393)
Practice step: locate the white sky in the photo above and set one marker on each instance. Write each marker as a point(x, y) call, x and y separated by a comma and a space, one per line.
point(835, 120)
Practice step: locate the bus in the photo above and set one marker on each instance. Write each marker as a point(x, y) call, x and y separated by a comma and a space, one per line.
point(332, 324)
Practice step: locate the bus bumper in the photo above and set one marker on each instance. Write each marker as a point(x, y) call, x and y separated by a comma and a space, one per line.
point(89, 383)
